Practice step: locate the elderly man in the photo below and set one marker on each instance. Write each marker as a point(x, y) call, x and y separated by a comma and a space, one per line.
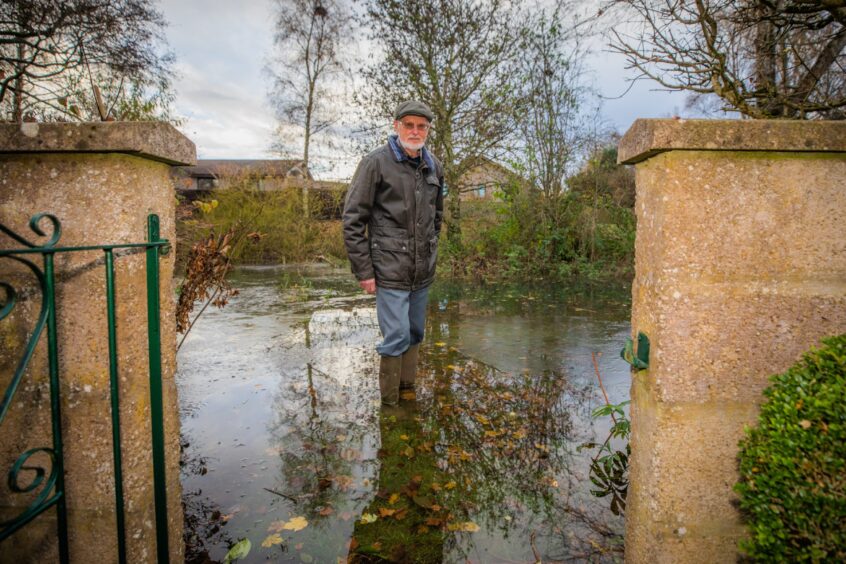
point(392, 219)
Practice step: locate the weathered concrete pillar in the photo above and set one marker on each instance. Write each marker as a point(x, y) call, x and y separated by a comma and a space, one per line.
point(740, 267)
point(101, 180)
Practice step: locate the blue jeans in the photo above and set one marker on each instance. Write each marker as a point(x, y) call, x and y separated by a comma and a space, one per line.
point(402, 319)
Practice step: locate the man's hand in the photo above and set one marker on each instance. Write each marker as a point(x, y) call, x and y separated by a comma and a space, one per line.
point(368, 286)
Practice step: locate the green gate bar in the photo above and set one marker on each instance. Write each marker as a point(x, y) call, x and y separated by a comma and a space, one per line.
point(115, 397)
point(55, 406)
point(156, 408)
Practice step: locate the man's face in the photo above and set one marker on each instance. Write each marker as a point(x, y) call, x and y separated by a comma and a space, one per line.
point(412, 131)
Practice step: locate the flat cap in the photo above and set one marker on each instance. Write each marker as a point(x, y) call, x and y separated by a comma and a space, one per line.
point(413, 108)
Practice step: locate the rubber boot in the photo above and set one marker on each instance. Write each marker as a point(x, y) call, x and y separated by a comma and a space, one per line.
point(409, 367)
point(390, 368)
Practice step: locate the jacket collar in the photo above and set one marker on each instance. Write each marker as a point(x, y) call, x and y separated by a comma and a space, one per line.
point(400, 155)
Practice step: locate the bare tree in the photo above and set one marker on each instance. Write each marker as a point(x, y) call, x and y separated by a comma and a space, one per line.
point(51, 51)
point(461, 58)
point(762, 58)
point(309, 40)
point(552, 128)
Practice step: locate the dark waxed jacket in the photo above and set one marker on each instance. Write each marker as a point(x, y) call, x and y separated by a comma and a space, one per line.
point(392, 218)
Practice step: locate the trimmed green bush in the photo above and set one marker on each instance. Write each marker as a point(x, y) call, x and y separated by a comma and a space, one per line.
point(793, 464)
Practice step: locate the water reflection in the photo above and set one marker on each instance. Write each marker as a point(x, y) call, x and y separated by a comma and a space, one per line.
point(280, 414)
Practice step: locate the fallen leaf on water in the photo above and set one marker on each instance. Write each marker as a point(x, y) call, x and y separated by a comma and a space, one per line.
point(272, 540)
point(295, 524)
point(326, 511)
point(276, 526)
point(239, 550)
point(298, 546)
point(307, 558)
point(467, 527)
point(346, 515)
point(367, 518)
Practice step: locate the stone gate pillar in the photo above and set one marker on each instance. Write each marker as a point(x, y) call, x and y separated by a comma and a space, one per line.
point(740, 267)
point(101, 180)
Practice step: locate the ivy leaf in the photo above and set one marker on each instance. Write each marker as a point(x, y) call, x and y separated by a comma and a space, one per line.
point(239, 550)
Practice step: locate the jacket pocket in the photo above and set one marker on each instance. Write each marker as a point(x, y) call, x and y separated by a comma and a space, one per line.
point(433, 255)
point(391, 259)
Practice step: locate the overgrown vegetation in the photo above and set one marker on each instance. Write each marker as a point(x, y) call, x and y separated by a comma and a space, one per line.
point(587, 230)
point(279, 230)
point(793, 464)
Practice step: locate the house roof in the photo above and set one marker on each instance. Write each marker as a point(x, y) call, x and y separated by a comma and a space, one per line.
point(217, 168)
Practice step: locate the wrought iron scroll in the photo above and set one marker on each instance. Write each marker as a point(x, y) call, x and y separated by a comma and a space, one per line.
point(49, 482)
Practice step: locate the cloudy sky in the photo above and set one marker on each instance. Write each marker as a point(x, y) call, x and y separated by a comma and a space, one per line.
point(222, 47)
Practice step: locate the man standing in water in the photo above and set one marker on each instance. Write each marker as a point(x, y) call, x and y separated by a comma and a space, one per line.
point(392, 219)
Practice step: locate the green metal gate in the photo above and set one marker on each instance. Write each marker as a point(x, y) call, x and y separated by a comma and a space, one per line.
point(51, 483)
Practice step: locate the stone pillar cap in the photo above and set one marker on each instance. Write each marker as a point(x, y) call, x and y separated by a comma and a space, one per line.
point(648, 137)
point(157, 141)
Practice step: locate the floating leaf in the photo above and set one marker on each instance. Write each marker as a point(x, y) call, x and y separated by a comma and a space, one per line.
point(272, 540)
point(276, 526)
point(239, 550)
point(467, 527)
point(307, 558)
point(367, 518)
point(295, 524)
point(326, 511)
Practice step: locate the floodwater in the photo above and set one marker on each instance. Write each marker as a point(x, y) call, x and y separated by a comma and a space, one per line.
point(285, 444)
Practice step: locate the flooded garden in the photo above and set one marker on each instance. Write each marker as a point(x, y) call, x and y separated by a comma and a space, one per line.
point(288, 456)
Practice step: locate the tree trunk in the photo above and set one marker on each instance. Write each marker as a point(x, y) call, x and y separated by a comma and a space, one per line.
point(17, 91)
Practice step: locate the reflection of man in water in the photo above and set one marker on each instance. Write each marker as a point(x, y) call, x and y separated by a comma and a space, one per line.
point(392, 219)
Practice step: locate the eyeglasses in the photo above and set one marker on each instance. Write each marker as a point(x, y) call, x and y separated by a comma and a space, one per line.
point(408, 126)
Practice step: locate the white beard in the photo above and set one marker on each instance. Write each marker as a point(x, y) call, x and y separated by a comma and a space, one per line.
point(411, 146)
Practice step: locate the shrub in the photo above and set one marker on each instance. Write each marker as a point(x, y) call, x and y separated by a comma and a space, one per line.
point(793, 464)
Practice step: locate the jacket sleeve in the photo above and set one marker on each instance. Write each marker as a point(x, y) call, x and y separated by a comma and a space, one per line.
point(439, 202)
point(357, 209)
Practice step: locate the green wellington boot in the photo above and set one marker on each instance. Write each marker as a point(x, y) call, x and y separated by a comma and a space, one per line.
point(390, 368)
point(409, 367)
